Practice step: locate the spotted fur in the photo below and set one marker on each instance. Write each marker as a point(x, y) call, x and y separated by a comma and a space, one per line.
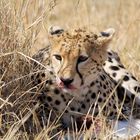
point(82, 76)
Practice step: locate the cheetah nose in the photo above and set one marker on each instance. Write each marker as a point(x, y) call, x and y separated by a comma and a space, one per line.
point(67, 81)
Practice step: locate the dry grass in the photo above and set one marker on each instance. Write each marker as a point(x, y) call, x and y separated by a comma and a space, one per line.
point(23, 30)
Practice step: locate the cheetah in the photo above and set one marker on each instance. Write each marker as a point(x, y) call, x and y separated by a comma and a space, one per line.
point(81, 76)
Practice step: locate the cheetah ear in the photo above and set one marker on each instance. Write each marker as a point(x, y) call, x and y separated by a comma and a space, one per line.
point(55, 30)
point(105, 37)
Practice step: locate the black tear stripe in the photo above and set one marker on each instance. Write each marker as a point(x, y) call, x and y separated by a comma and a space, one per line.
point(80, 75)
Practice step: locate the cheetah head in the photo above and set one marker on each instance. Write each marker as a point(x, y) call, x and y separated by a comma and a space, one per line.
point(77, 56)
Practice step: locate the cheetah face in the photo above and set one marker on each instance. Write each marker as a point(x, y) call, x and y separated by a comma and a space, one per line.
point(77, 56)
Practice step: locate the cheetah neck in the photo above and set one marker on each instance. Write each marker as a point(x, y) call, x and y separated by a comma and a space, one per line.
point(92, 83)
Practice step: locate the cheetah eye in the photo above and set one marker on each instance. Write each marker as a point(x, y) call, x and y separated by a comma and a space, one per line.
point(58, 57)
point(82, 58)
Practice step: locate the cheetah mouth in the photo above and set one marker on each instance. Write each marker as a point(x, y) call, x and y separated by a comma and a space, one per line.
point(67, 87)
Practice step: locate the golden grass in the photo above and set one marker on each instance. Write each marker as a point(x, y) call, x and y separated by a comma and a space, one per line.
point(23, 30)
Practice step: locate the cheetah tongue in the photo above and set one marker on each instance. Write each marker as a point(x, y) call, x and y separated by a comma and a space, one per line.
point(61, 85)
